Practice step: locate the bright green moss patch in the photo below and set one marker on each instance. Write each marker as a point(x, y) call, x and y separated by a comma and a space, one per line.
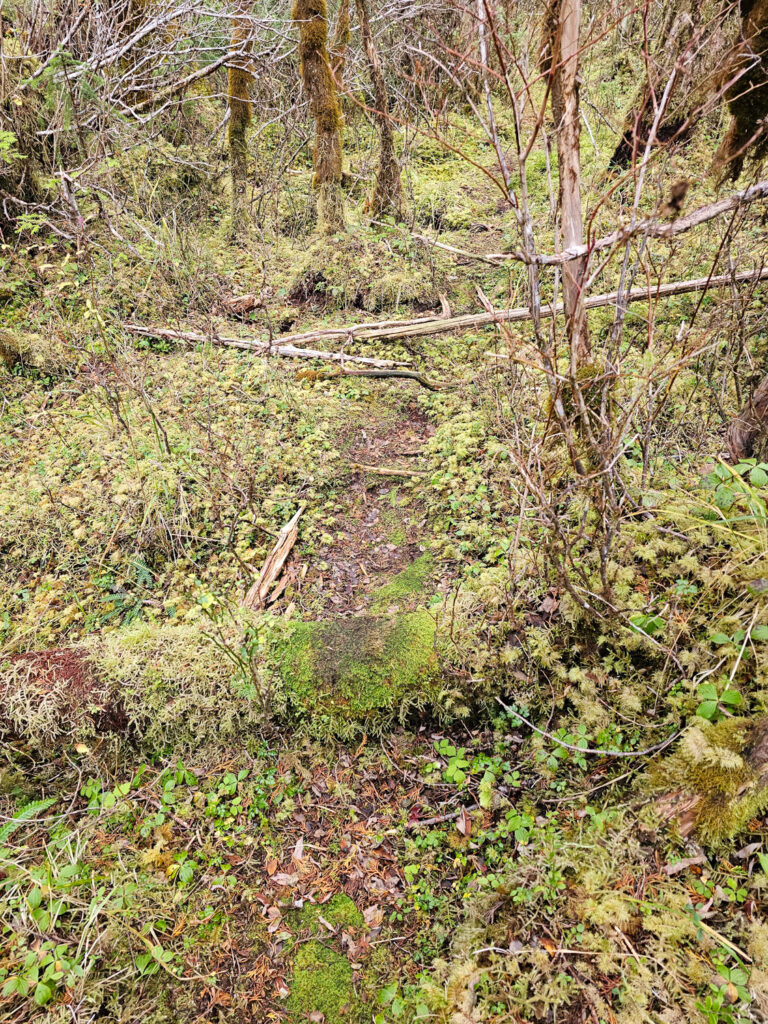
point(340, 911)
point(322, 983)
point(358, 674)
point(406, 586)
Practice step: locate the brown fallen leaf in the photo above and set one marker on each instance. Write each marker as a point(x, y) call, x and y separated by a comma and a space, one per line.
point(271, 865)
point(283, 878)
point(464, 822)
point(298, 850)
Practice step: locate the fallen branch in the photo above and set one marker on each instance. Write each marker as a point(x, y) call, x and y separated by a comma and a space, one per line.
point(284, 349)
point(648, 227)
point(256, 597)
point(391, 330)
point(388, 470)
point(430, 385)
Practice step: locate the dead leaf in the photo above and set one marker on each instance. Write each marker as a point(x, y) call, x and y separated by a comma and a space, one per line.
point(283, 878)
point(549, 945)
point(271, 865)
point(81, 748)
point(464, 822)
point(317, 1017)
point(298, 850)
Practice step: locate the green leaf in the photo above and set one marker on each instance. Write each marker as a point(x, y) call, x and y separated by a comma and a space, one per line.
point(724, 497)
point(719, 638)
point(759, 633)
point(732, 697)
point(707, 709)
point(758, 477)
point(10, 986)
point(34, 898)
point(43, 993)
point(387, 994)
point(707, 691)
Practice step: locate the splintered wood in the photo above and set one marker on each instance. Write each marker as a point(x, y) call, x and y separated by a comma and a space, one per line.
point(256, 598)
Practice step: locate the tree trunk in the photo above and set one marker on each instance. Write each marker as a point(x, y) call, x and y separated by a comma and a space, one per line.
point(388, 192)
point(340, 43)
point(238, 98)
point(565, 109)
point(311, 17)
point(748, 96)
point(748, 432)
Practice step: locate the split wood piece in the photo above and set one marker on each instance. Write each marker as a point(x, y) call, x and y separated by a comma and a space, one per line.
point(288, 351)
point(388, 470)
point(256, 598)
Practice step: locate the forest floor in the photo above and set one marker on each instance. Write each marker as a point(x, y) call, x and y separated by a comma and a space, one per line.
point(333, 810)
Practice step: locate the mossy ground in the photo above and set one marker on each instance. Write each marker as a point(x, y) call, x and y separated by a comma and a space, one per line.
point(141, 488)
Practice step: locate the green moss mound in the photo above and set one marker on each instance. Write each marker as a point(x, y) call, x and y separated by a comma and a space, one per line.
point(357, 675)
point(361, 272)
point(406, 587)
point(322, 983)
point(717, 778)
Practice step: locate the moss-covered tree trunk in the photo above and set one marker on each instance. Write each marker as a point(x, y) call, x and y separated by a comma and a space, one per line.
point(239, 101)
point(388, 192)
point(748, 95)
point(340, 42)
point(311, 17)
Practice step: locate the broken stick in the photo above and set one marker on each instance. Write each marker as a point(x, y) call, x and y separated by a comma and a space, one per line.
point(256, 598)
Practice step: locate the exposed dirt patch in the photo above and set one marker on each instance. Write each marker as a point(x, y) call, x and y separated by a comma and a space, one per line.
point(380, 532)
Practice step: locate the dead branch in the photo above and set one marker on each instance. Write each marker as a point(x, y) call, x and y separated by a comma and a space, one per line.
point(286, 350)
point(648, 227)
point(256, 598)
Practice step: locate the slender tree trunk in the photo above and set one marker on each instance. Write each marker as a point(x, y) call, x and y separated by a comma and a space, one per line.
point(748, 432)
point(565, 108)
point(388, 192)
point(238, 98)
point(340, 42)
point(311, 16)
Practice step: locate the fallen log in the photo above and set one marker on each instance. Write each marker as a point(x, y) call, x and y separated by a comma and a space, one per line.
point(284, 349)
point(391, 330)
point(256, 598)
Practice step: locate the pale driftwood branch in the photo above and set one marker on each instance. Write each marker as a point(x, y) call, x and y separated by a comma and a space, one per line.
point(283, 348)
point(391, 330)
point(648, 227)
point(256, 597)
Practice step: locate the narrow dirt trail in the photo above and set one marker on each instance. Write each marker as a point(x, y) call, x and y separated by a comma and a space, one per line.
point(381, 529)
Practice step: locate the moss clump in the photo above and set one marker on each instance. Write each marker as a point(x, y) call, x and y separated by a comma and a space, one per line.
point(406, 586)
point(361, 272)
point(352, 675)
point(340, 911)
point(322, 983)
point(717, 779)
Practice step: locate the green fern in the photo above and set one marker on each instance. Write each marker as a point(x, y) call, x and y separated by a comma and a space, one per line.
point(25, 814)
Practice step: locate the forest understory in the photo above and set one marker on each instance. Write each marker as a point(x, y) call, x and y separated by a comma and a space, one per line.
point(383, 480)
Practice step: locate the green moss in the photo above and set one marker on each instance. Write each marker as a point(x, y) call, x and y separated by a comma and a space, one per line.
point(359, 674)
point(714, 771)
point(340, 911)
point(322, 983)
point(406, 585)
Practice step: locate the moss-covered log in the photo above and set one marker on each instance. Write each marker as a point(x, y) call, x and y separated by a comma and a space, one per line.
point(388, 192)
point(239, 100)
point(311, 17)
